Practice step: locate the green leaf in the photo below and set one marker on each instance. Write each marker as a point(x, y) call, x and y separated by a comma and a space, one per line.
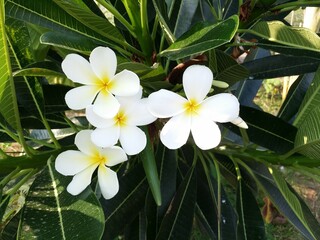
point(251, 225)
point(177, 223)
point(276, 31)
point(280, 66)
point(50, 211)
point(150, 168)
point(226, 68)
point(267, 130)
point(126, 205)
point(286, 200)
point(307, 140)
point(202, 37)
point(8, 104)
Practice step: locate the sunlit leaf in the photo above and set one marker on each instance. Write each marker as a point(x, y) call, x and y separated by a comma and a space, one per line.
point(202, 37)
point(62, 215)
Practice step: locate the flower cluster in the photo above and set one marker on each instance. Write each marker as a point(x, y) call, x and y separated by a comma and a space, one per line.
point(115, 107)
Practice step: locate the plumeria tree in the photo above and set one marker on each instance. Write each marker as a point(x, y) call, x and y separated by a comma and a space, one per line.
point(135, 119)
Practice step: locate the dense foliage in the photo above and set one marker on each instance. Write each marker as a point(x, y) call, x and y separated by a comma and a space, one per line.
point(163, 193)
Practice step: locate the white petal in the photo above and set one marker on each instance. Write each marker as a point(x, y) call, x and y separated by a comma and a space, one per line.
point(71, 162)
point(125, 83)
point(106, 105)
point(129, 99)
point(104, 63)
point(81, 97)
point(84, 143)
point(108, 182)
point(240, 123)
point(139, 115)
point(81, 180)
point(133, 140)
point(164, 103)
point(106, 137)
point(96, 120)
point(197, 81)
point(78, 69)
point(205, 132)
point(176, 131)
point(223, 107)
point(113, 155)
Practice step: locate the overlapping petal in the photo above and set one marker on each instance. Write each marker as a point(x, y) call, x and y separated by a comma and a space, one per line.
point(96, 120)
point(108, 182)
point(139, 115)
point(176, 131)
point(223, 107)
point(113, 155)
point(106, 105)
point(87, 93)
point(205, 132)
point(72, 162)
point(84, 143)
point(78, 69)
point(104, 63)
point(164, 103)
point(125, 83)
point(133, 140)
point(197, 81)
point(81, 180)
point(106, 137)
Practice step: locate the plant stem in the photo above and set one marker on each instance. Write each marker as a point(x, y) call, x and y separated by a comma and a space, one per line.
point(31, 172)
point(295, 4)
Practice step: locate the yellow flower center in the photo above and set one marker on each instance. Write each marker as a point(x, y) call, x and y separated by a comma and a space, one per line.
point(101, 160)
point(120, 119)
point(192, 107)
point(105, 84)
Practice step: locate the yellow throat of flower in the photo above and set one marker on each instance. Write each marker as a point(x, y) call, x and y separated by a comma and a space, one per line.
point(192, 107)
point(120, 119)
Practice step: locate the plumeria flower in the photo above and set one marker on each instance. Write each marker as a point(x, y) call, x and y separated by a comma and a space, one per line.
point(196, 113)
point(133, 112)
point(100, 82)
point(81, 164)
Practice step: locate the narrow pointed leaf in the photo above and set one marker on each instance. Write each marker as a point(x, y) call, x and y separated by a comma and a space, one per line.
point(202, 37)
point(126, 205)
point(251, 225)
point(177, 223)
point(62, 215)
point(8, 104)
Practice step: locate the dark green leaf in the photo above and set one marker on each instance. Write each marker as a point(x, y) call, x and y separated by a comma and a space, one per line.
point(280, 66)
point(251, 225)
point(267, 130)
point(202, 37)
point(126, 205)
point(50, 211)
point(177, 223)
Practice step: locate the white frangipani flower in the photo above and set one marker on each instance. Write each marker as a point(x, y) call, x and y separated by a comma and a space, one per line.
point(100, 83)
point(133, 112)
point(81, 164)
point(196, 113)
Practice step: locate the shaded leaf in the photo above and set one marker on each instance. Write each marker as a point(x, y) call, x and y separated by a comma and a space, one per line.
point(280, 66)
point(62, 215)
point(202, 37)
point(267, 130)
point(177, 223)
point(251, 225)
point(126, 205)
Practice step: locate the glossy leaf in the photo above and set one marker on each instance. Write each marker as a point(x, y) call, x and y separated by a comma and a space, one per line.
point(8, 104)
point(62, 215)
point(308, 137)
point(280, 66)
point(286, 200)
point(267, 130)
point(177, 222)
point(202, 37)
point(251, 225)
point(126, 205)
point(276, 31)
